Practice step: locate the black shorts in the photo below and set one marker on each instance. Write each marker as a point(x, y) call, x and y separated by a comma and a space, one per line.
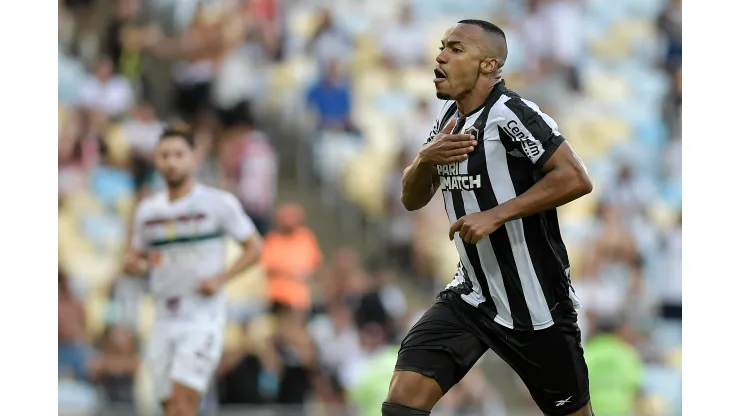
point(452, 335)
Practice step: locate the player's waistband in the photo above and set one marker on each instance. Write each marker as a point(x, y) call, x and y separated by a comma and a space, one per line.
point(190, 308)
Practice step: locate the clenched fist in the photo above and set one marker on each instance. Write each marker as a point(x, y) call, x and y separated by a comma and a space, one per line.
point(448, 148)
point(209, 287)
point(474, 227)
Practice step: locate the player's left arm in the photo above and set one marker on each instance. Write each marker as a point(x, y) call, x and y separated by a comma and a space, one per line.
point(565, 179)
point(564, 176)
point(240, 227)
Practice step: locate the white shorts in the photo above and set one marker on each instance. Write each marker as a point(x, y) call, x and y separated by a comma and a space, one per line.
point(184, 353)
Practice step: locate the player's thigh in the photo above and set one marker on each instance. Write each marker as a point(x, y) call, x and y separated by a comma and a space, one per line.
point(158, 359)
point(196, 357)
point(550, 362)
point(435, 355)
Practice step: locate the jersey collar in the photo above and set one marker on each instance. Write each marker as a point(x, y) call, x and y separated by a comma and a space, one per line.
point(493, 96)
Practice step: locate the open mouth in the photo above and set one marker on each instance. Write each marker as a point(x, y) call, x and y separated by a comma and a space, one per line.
point(439, 75)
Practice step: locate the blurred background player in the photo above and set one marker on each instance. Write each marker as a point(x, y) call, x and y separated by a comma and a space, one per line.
point(180, 235)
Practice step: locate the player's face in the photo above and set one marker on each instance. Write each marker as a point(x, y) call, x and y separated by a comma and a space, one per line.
point(175, 160)
point(458, 62)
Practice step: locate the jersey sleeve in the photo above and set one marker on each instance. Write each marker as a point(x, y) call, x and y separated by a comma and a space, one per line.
point(526, 129)
point(235, 221)
point(138, 242)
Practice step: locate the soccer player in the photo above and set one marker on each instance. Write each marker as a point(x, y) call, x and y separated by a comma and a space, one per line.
point(504, 169)
point(180, 233)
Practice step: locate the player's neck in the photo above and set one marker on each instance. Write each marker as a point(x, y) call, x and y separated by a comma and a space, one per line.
point(474, 99)
point(180, 191)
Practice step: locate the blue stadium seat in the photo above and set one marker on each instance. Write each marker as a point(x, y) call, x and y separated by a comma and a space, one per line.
point(109, 184)
point(76, 398)
point(102, 228)
point(667, 334)
point(664, 382)
point(71, 75)
point(671, 193)
point(646, 9)
point(394, 101)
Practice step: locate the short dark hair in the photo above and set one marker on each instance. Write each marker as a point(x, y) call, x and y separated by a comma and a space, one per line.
point(487, 26)
point(179, 133)
point(490, 28)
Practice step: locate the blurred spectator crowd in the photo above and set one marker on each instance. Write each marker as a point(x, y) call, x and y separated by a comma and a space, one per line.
point(332, 99)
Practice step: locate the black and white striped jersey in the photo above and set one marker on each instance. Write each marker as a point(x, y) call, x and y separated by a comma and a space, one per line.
point(521, 271)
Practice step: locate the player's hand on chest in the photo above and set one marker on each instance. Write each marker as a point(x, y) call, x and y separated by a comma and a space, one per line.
point(447, 148)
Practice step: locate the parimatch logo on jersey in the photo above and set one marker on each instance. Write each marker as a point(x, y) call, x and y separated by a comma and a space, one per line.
point(451, 179)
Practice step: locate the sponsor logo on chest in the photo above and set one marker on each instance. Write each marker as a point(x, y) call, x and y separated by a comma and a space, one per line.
point(451, 179)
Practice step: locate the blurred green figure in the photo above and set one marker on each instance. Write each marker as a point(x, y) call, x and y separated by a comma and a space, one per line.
point(615, 370)
point(374, 371)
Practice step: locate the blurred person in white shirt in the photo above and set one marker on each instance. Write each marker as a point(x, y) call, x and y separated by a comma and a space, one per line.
point(404, 43)
point(392, 296)
point(416, 125)
point(671, 292)
point(179, 236)
point(613, 275)
point(399, 224)
point(554, 36)
point(141, 130)
point(105, 92)
point(336, 337)
point(197, 53)
point(628, 194)
point(330, 43)
point(249, 166)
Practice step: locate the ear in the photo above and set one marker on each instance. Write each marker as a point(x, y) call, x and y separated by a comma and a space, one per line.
point(489, 66)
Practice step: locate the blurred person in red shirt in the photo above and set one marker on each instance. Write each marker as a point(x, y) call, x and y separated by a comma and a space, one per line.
point(291, 256)
point(249, 165)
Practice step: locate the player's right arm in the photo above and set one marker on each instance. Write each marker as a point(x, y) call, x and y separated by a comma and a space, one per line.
point(135, 259)
point(420, 180)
